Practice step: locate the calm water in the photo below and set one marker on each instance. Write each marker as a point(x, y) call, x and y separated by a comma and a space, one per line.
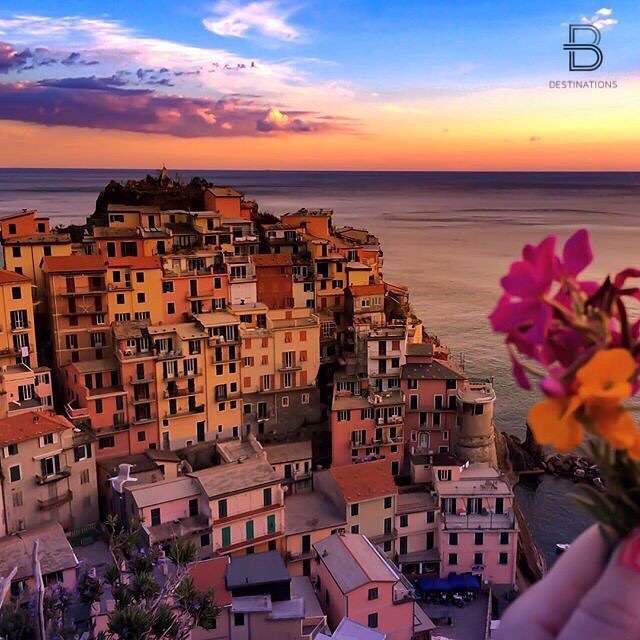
point(450, 236)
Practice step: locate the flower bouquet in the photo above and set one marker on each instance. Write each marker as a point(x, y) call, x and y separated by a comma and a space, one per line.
point(576, 337)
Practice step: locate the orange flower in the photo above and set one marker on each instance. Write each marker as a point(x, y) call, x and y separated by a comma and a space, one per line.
point(634, 450)
point(615, 425)
point(605, 379)
point(553, 422)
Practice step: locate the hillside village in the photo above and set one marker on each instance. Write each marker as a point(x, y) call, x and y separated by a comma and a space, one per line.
point(253, 385)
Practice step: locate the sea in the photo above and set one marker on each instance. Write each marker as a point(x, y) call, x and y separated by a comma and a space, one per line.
point(449, 236)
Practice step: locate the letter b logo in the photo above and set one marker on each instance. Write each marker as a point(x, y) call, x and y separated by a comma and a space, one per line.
point(574, 48)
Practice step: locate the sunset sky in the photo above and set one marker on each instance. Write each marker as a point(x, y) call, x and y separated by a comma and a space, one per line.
point(352, 84)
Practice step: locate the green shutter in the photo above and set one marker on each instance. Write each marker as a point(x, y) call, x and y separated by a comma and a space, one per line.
point(226, 537)
point(250, 530)
point(271, 524)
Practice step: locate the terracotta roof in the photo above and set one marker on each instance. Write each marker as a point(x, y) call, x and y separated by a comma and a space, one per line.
point(20, 214)
point(39, 238)
point(366, 289)
point(74, 262)
point(33, 424)
point(364, 481)
point(272, 260)
point(12, 276)
point(137, 262)
point(210, 574)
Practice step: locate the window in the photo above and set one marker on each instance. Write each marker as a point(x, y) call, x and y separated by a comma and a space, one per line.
point(12, 229)
point(285, 401)
point(120, 298)
point(238, 619)
point(413, 402)
point(99, 407)
point(171, 308)
point(344, 415)
point(266, 496)
point(387, 525)
point(82, 452)
point(499, 506)
point(193, 507)
point(453, 558)
point(12, 449)
point(155, 517)
point(85, 476)
point(373, 594)
point(478, 538)
point(14, 473)
point(412, 383)
point(17, 498)
point(249, 530)
point(107, 442)
point(453, 539)
point(355, 509)
point(474, 505)
point(388, 502)
point(226, 536)
point(431, 516)
point(478, 559)
point(205, 540)
point(16, 293)
point(139, 276)
point(304, 398)
point(355, 528)
point(504, 537)
point(503, 558)
point(222, 509)
point(404, 520)
point(141, 297)
point(372, 621)
point(271, 523)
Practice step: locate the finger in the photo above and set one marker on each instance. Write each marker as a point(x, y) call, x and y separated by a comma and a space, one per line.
point(609, 611)
point(546, 607)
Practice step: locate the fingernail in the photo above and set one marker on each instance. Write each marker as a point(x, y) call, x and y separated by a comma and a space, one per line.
point(630, 554)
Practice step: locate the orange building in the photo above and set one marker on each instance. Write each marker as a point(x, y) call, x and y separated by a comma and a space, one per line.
point(77, 304)
point(315, 222)
point(274, 273)
point(226, 201)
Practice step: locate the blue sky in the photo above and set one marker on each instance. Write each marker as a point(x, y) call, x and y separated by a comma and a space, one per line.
point(236, 68)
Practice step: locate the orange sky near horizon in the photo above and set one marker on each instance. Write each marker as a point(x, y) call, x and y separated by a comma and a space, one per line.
point(496, 129)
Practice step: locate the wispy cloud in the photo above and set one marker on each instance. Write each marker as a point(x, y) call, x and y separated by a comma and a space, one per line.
point(102, 103)
point(602, 19)
point(263, 17)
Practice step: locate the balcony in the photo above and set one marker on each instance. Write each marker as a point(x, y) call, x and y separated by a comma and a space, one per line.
point(182, 374)
point(104, 391)
point(143, 419)
point(170, 355)
point(184, 412)
point(142, 399)
point(477, 521)
point(294, 366)
point(148, 380)
point(182, 393)
point(85, 291)
point(74, 412)
point(293, 556)
point(20, 326)
point(56, 501)
point(388, 536)
point(63, 473)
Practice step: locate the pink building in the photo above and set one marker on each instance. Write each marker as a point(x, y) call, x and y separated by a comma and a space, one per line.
point(210, 574)
point(356, 580)
point(430, 387)
point(368, 428)
point(477, 528)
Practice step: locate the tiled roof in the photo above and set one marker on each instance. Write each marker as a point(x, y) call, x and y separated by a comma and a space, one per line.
point(272, 260)
point(353, 561)
point(75, 262)
point(137, 262)
point(224, 192)
point(153, 493)
point(210, 574)
point(235, 478)
point(55, 552)
point(420, 349)
point(288, 452)
point(39, 238)
point(366, 289)
point(26, 426)
point(11, 276)
point(256, 569)
point(364, 481)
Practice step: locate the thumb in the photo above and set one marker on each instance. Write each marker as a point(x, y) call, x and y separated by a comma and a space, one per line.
point(609, 610)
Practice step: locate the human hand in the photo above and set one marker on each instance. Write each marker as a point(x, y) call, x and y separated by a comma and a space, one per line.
point(583, 596)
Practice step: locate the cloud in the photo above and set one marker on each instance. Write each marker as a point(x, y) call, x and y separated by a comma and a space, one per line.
point(601, 19)
point(101, 103)
point(275, 120)
point(12, 60)
point(264, 17)
point(76, 58)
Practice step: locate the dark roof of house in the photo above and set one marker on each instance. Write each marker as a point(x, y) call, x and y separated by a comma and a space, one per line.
point(420, 349)
point(256, 569)
point(435, 370)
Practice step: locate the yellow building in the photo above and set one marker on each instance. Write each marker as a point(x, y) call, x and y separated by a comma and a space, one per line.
point(224, 395)
point(134, 289)
point(180, 354)
point(17, 332)
point(24, 255)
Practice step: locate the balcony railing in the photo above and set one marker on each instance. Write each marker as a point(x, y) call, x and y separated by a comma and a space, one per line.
point(293, 556)
point(170, 355)
point(56, 501)
point(485, 520)
point(63, 473)
point(181, 393)
point(184, 412)
point(143, 399)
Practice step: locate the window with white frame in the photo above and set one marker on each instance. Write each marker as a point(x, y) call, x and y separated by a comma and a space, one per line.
point(285, 401)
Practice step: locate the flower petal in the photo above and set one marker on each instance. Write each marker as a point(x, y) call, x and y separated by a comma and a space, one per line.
point(577, 254)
